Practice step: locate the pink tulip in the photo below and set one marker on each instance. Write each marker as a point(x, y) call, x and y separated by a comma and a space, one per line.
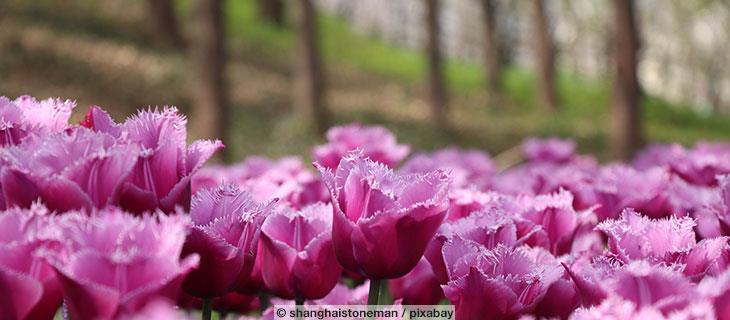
point(113, 263)
point(640, 289)
point(464, 202)
point(486, 228)
point(502, 283)
point(26, 116)
point(548, 150)
point(29, 288)
point(553, 221)
point(286, 179)
point(717, 291)
point(418, 287)
point(225, 233)
point(618, 187)
point(376, 142)
point(383, 221)
point(467, 167)
point(78, 169)
point(703, 163)
point(165, 164)
point(636, 237)
point(298, 257)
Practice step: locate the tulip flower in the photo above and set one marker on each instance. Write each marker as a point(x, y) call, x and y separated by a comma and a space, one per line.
point(464, 202)
point(114, 263)
point(548, 150)
point(640, 289)
point(487, 228)
point(717, 291)
point(376, 142)
point(78, 169)
point(29, 288)
point(553, 221)
point(383, 221)
point(165, 163)
point(418, 287)
point(467, 167)
point(635, 237)
point(298, 257)
point(502, 283)
point(285, 179)
point(26, 116)
point(225, 232)
point(618, 187)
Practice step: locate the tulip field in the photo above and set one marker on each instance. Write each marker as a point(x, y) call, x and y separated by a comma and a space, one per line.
point(109, 219)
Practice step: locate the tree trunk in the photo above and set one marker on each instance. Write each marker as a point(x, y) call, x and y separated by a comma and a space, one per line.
point(309, 76)
point(211, 113)
point(437, 91)
point(626, 135)
point(492, 61)
point(272, 11)
point(544, 56)
point(163, 22)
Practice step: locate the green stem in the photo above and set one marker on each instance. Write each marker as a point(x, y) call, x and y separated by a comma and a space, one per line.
point(374, 294)
point(207, 308)
point(299, 302)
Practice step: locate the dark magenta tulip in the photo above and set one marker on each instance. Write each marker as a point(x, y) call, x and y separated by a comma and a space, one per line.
point(27, 117)
point(376, 142)
point(418, 287)
point(76, 169)
point(29, 288)
point(164, 165)
point(114, 263)
point(298, 257)
point(225, 232)
point(383, 221)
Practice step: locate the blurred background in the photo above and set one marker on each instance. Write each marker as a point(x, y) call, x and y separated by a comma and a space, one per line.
point(269, 76)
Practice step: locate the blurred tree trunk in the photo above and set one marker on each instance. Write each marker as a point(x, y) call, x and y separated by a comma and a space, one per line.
point(163, 22)
point(272, 11)
point(626, 135)
point(544, 56)
point(492, 60)
point(309, 77)
point(437, 91)
point(208, 52)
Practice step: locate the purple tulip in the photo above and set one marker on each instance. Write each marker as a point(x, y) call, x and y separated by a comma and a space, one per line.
point(27, 116)
point(636, 237)
point(376, 142)
point(553, 221)
point(383, 221)
point(537, 178)
point(29, 288)
point(464, 202)
point(548, 150)
point(114, 263)
point(78, 169)
point(286, 179)
point(640, 289)
point(668, 241)
point(165, 164)
point(618, 187)
point(502, 283)
point(703, 163)
point(418, 287)
point(467, 167)
point(717, 291)
point(225, 233)
point(298, 257)
point(486, 228)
